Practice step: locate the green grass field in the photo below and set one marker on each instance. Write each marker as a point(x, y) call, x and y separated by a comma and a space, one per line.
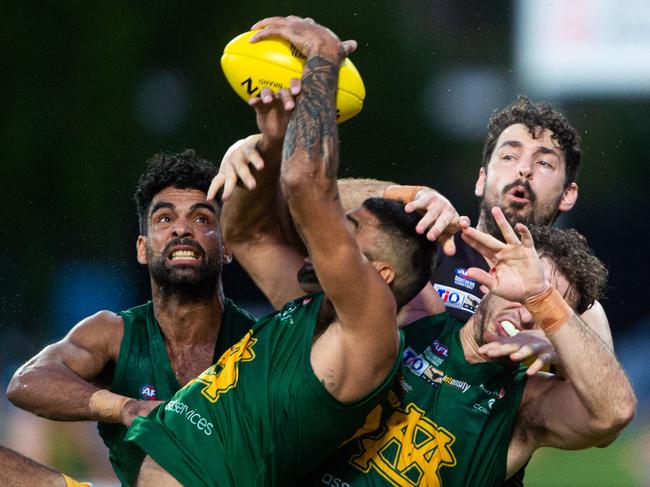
point(619, 465)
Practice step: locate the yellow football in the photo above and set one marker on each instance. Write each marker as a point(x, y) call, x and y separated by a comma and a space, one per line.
point(271, 63)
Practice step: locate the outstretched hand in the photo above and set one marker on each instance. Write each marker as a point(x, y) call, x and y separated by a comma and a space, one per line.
point(520, 347)
point(440, 219)
point(307, 36)
point(235, 166)
point(517, 273)
point(273, 111)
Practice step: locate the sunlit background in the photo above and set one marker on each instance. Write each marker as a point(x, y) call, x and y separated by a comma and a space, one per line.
point(93, 89)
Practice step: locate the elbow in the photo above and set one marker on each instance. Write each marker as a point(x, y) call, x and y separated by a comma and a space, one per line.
point(293, 181)
point(18, 387)
point(618, 418)
point(301, 179)
point(627, 411)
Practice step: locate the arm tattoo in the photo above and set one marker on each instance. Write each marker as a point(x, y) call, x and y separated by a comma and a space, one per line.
point(312, 127)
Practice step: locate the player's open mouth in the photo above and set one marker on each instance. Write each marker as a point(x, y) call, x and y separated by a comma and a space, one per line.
point(507, 327)
point(183, 255)
point(519, 195)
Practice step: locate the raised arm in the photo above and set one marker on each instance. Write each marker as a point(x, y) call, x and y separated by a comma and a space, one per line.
point(61, 382)
point(255, 220)
point(364, 304)
point(595, 401)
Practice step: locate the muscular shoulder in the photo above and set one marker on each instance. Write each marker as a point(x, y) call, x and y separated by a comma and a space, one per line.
point(101, 331)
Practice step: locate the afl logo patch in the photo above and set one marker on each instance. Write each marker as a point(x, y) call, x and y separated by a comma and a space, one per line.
point(461, 272)
point(148, 392)
point(461, 279)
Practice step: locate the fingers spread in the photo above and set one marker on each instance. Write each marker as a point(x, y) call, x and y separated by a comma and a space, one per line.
point(506, 230)
point(482, 277)
point(526, 237)
point(487, 242)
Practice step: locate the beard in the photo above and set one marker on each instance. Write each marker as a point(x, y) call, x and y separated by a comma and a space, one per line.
point(308, 280)
point(186, 280)
point(481, 317)
point(533, 212)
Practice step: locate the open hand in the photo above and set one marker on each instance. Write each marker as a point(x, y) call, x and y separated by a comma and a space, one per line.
point(517, 273)
point(440, 219)
point(520, 347)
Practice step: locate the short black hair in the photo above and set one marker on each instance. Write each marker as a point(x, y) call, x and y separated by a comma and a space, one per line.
point(183, 170)
point(410, 252)
point(572, 257)
point(536, 117)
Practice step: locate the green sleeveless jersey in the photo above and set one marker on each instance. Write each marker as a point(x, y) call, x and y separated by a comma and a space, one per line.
point(143, 371)
point(446, 422)
point(258, 417)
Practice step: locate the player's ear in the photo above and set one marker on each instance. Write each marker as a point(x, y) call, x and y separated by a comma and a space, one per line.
point(569, 197)
point(479, 187)
point(385, 270)
point(227, 254)
point(141, 249)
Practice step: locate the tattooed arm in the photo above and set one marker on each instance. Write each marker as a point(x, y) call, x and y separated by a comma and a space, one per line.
point(362, 343)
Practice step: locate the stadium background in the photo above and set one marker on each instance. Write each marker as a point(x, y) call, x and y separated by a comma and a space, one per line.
point(94, 89)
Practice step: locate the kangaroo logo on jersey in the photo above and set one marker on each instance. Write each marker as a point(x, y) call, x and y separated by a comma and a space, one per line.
point(148, 392)
point(224, 375)
point(410, 450)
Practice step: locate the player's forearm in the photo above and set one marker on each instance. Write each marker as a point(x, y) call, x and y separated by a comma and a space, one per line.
point(248, 213)
point(19, 470)
point(53, 391)
point(596, 376)
point(310, 153)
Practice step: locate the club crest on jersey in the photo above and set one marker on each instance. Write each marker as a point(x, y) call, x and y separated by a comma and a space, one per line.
point(461, 278)
point(148, 392)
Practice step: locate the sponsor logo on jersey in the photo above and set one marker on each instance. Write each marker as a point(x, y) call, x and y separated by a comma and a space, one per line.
point(461, 278)
point(497, 394)
point(440, 349)
point(433, 358)
point(487, 409)
point(455, 298)
point(436, 353)
point(333, 481)
point(191, 416)
point(148, 392)
point(409, 450)
point(427, 372)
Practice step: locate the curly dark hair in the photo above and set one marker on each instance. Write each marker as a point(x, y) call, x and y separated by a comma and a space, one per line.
point(184, 170)
point(571, 255)
point(537, 117)
point(410, 252)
